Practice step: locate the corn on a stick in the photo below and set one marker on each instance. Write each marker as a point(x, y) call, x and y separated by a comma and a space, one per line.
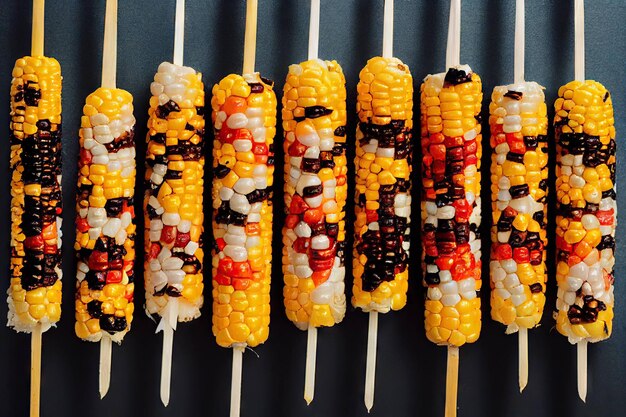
point(173, 201)
point(244, 117)
point(519, 173)
point(383, 201)
point(451, 149)
point(34, 294)
point(105, 232)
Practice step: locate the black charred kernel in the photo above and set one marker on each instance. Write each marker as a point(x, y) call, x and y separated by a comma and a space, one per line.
point(172, 291)
point(112, 324)
point(607, 242)
point(114, 207)
point(267, 81)
point(515, 95)
point(32, 95)
point(314, 112)
point(456, 76)
point(152, 214)
point(256, 196)
point(256, 88)
point(332, 230)
point(221, 171)
point(518, 191)
point(164, 110)
point(536, 288)
point(311, 165)
point(340, 131)
point(312, 191)
point(223, 213)
point(94, 307)
point(96, 280)
point(158, 138)
point(515, 157)
point(238, 219)
point(531, 142)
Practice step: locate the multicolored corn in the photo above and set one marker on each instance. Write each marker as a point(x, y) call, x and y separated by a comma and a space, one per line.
point(35, 161)
point(174, 186)
point(451, 149)
point(383, 185)
point(105, 233)
point(244, 117)
point(314, 122)
point(586, 211)
point(519, 173)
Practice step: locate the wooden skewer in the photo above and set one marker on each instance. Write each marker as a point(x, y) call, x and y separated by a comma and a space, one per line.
point(105, 364)
point(309, 373)
point(579, 40)
point(38, 28)
point(579, 75)
point(168, 325)
point(453, 50)
point(388, 29)
point(581, 359)
point(179, 32)
point(235, 386)
point(109, 71)
point(249, 49)
point(109, 50)
point(35, 370)
point(518, 62)
point(453, 59)
point(452, 381)
point(311, 346)
point(523, 358)
point(370, 370)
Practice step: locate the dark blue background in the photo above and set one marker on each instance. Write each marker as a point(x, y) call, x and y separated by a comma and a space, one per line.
point(411, 370)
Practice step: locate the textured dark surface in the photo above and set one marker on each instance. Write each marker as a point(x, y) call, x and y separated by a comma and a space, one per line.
point(411, 371)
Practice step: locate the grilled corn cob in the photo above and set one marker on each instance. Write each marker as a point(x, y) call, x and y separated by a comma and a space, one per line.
point(519, 174)
point(174, 186)
point(35, 160)
point(314, 119)
point(383, 185)
point(451, 149)
point(105, 233)
point(586, 211)
point(244, 117)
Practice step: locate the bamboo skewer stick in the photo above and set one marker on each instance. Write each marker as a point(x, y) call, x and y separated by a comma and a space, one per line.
point(453, 59)
point(35, 371)
point(370, 371)
point(109, 50)
point(179, 32)
point(38, 28)
point(372, 332)
point(235, 387)
point(309, 373)
point(109, 72)
point(37, 43)
point(249, 53)
point(104, 374)
point(249, 49)
point(168, 325)
point(518, 77)
point(579, 75)
point(170, 317)
point(311, 346)
point(522, 358)
point(452, 381)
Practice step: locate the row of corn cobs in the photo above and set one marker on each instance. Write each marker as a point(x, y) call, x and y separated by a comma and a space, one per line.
point(314, 117)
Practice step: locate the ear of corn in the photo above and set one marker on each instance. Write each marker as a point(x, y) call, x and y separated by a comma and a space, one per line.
point(383, 185)
point(35, 161)
point(519, 173)
point(314, 119)
point(244, 117)
point(174, 186)
point(586, 211)
point(451, 149)
point(105, 233)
